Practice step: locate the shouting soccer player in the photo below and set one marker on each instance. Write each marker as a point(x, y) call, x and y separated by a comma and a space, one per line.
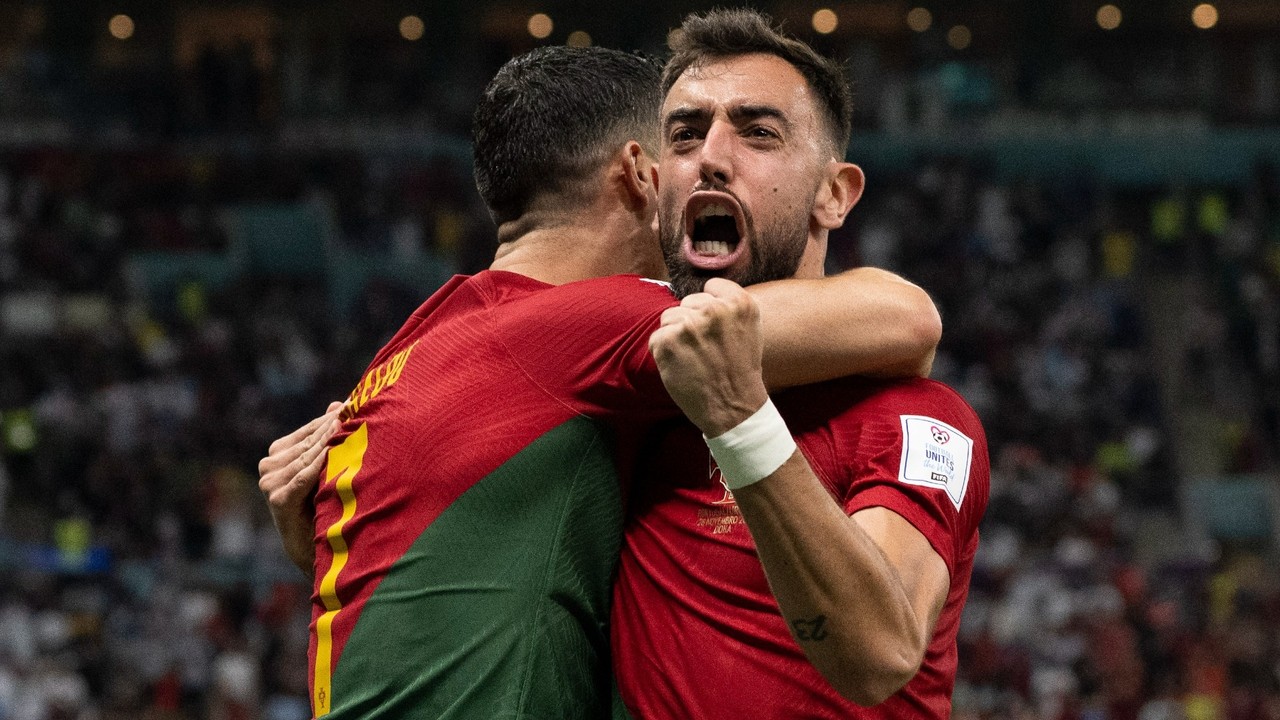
point(776, 582)
point(468, 523)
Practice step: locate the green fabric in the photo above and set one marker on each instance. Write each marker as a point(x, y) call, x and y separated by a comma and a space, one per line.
point(500, 607)
point(619, 710)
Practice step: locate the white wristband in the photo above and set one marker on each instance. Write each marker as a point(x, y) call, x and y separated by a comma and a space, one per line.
point(753, 449)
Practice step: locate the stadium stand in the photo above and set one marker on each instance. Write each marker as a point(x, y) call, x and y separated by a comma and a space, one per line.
point(195, 264)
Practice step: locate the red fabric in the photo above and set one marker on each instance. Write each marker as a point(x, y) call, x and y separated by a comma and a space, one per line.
point(696, 631)
point(497, 360)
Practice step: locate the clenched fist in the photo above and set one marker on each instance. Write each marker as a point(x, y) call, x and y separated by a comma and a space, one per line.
point(708, 350)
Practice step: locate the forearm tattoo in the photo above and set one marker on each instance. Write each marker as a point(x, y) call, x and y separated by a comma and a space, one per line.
point(811, 629)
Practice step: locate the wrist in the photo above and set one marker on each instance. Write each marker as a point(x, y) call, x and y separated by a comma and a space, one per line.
point(754, 448)
point(726, 418)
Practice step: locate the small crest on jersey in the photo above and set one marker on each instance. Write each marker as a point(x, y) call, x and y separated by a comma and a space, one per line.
point(722, 516)
point(718, 476)
point(935, 454)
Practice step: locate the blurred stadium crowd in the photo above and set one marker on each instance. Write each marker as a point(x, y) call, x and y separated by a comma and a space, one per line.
point(179, 291)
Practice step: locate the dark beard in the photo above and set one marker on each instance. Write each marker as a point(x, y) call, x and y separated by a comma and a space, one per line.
point(775, 255)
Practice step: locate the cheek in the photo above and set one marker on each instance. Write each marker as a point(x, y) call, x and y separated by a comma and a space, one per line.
point(675, 183)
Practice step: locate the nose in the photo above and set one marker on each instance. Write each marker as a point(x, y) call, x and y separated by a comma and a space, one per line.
point(716, 159)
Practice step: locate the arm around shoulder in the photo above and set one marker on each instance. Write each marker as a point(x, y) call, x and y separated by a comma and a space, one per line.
point(864, 321)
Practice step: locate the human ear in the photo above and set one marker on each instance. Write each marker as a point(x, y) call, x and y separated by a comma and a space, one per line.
point(640, 177)
point(839, 192)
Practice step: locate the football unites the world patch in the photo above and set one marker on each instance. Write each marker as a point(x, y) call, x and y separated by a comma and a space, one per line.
point(935, 454)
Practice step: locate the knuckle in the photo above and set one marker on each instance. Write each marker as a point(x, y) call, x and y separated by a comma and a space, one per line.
point(714, 315)
point(659, 341)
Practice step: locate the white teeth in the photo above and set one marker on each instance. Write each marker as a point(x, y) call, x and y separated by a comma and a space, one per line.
point(711, 247)
point(714, 211)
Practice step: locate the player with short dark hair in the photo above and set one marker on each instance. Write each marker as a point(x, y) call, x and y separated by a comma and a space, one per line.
point(781, 576)
point(468, 523)
point(537, 136)
point(706, 39)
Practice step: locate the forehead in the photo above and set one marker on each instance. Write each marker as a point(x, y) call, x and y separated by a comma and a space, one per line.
point(756, 79)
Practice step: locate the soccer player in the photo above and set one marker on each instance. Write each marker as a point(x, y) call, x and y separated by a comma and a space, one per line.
point(469, 518)
point(768, 581)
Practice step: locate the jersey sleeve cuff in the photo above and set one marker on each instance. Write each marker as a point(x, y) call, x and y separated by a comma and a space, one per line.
point(937, 533)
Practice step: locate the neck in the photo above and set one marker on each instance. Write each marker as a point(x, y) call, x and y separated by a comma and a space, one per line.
point(813, 264)
point(560, 255)
point(567, 248)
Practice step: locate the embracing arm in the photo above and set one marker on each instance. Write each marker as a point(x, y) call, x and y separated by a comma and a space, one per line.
point(864, 321)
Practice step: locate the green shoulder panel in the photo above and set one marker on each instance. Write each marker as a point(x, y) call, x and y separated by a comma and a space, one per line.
point(500, 608)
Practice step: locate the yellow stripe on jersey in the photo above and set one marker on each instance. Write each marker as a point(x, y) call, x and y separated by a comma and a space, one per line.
point(345, 461)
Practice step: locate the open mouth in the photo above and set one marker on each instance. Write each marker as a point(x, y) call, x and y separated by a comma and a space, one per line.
point(714, 233)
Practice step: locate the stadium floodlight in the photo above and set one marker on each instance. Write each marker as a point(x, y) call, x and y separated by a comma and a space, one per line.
point(825, 21)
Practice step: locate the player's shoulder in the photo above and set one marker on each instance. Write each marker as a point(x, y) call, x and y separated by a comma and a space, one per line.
point(625, 296)
point(943, 444)
point(621, 287)
point(593, 313)
point(919, 389)
point(924, 397)
point(626, 293)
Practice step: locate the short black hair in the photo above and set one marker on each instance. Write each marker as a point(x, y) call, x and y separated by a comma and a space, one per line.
point(728, 33)
point(551, 117)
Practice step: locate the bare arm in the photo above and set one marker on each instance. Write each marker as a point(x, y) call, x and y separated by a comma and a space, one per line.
point(860, 594)
point(287, 476)
point(864, 321)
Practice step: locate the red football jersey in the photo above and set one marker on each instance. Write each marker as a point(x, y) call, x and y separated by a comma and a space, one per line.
point(697, 632)
point(471, 512)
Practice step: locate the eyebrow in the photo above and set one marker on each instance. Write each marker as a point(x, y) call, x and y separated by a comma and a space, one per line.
point(684, 114)
point(738, 115)
point(744, 113)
